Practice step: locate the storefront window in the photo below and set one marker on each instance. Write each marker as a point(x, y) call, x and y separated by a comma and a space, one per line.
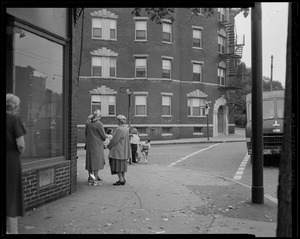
point(38, 79)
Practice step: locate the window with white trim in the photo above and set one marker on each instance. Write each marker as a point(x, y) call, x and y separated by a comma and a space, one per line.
point(221, 14)
point(221, 76)
point(140, 67)
point(167, 32)
point(105, 103)
point(196, 106)
point(166, 68)
point(166, 105)
point(140, 30)
point(221, 44)
point(103, 66)
point(104, 28)
point(197, 38)
point(197, 72)
point(140, 105)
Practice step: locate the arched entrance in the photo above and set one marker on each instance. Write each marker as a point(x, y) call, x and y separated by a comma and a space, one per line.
point(220, 120)
point(220, 117)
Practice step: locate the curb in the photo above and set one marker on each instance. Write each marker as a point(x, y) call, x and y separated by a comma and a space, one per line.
point(81, 145)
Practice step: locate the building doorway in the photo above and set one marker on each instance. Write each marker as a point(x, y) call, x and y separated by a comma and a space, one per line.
point(220, 120)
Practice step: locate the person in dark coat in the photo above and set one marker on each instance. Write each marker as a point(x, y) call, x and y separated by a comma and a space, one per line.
point(15, 146)
point(95, 135)
point(120, 150)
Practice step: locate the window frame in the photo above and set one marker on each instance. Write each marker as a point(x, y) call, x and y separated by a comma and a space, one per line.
point(221, 44)
point(220, 78)
point(145, 20)
point(198, 63)
point(200, 29)
point(170, 60)
point(191, 100)
point(101, 105)
point(106, 28)
point(169, 95)
point(105, 60)
point(27, 162)
point(140, 94)
point(141, 57)
point(168, 23)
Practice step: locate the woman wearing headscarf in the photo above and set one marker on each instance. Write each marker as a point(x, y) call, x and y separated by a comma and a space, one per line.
point(95, 135)
point(120, 150)
point(15, 146)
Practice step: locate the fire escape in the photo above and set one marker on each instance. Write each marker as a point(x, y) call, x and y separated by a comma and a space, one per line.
point(231, 58)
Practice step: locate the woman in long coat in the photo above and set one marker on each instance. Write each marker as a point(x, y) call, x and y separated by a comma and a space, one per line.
point(95, 135)
point(120, 150)
point(15, 146)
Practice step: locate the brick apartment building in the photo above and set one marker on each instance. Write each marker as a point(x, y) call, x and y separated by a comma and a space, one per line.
point(160, 76)
point(42, 69)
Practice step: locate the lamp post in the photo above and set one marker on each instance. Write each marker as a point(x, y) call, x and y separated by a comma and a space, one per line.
point(271, 73)
point(129, 93)
point(206, 112)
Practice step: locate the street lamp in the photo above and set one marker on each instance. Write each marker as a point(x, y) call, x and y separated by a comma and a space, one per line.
point(129, 93)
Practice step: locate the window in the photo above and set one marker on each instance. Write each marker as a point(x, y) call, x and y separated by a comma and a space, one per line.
point(103, 66)
point(197, 72)
point(221, 76)
point(140, 67)
point(141, 30)
point(141, 130)
point(196, 106)
point(198, 130)
point(280, 109)
point(167, 32)
point(104, 29)
point(166, 105)
point(97, 28)
point(197, 38)
point(166, 68)
point(140, 105)
point(38, 66)
point(268, 109)
point(166, 130)
point(221, 44)
point(221, 14)
point(105, 103)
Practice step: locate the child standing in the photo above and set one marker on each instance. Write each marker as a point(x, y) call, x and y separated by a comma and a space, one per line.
point(109, 135)
point(134, 142)
point(145, 147)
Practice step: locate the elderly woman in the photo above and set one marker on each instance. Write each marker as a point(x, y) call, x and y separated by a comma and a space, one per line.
point(95, 135)
point(15, 146)
point(120, 150)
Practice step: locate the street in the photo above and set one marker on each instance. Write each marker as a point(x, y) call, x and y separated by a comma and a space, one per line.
point(223, 159)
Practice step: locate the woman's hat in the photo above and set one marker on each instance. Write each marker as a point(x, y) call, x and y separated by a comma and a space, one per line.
point(121, 118)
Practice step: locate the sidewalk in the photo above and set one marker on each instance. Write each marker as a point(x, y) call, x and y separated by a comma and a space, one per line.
point(154, 200)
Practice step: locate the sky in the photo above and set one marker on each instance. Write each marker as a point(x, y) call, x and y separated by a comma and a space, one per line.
point(274, 38)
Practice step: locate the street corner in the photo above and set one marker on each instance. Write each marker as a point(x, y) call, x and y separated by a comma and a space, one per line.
point(233, 201)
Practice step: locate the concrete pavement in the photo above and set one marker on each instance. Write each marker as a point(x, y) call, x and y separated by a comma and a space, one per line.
point(155, 200)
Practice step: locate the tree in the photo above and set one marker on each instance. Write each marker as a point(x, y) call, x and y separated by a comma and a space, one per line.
point(157, 14)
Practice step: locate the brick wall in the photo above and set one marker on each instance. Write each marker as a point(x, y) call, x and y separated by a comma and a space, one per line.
point(35, 196)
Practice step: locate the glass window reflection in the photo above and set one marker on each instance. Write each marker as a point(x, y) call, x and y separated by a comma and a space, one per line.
point(38, 66)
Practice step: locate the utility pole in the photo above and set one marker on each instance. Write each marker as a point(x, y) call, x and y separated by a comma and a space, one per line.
point(206, 112)
point(129, 93)
point(257, 129)
point(271, 73)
